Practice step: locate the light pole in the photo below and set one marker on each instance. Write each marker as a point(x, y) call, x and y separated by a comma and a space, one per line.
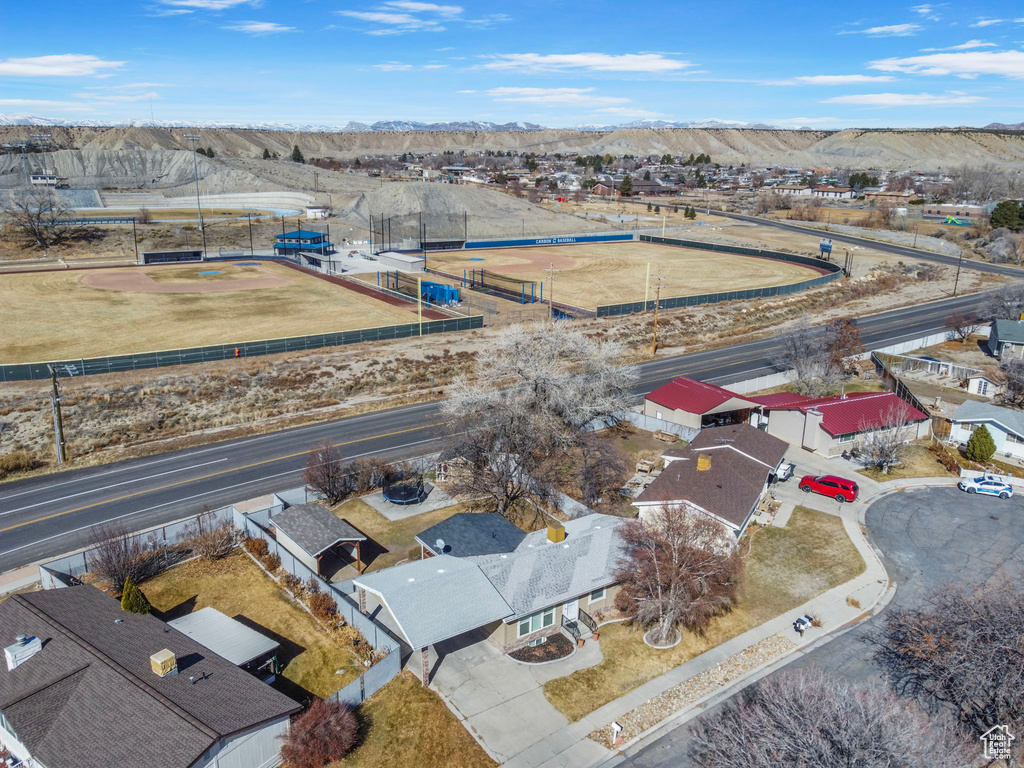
point(194, 138)
point(657, 302)
point(134, 145)
point(552, 276)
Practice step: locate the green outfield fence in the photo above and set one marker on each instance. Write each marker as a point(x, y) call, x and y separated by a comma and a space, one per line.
point(97, 365)
point(834, 273)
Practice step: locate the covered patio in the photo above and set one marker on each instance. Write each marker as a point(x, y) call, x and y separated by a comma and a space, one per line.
point(324, 543)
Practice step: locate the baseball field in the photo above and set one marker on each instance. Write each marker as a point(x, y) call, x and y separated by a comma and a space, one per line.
point(90, 313)
point(593, 274)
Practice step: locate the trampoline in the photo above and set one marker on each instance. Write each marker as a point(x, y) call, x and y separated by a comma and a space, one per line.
point(477, 259)
point(405, 493)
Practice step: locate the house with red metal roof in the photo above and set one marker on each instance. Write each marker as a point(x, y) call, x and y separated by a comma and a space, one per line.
point(831, 425)
point(696, 404)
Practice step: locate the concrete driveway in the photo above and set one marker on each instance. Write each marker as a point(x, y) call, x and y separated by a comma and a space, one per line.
point(498, 699)
point(927, 537)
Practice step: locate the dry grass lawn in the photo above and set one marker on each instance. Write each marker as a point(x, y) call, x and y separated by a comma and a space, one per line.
point(612, 273)
point(52, 315)
point(405, 724)
point(237, 587)
point(920, 462)
point(785, 568)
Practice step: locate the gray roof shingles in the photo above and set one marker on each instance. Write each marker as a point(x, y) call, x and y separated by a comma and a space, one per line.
point(1009, 330)
point(473, 533)
point(314, 528)
point(74, 701)
point(973, 411)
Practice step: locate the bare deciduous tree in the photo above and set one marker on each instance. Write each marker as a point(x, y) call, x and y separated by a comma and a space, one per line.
point(808, 718)
point(842, 338)
point(806, 351)
point(119, 554)
point(602, 469)
point(41, 216)
point(962, 325)
point(962, 653)
point(325, 472)
point(676, 569)
point(532, 394)
point(209, 539)
point(887, 446)
point(1007, 303)
point(1013, 384)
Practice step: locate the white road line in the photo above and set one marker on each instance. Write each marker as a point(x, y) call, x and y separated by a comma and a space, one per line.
point(108, 487)
point(196, 496)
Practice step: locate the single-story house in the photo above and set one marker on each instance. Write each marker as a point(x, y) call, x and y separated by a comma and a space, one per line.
point(795, 190)
point(1006, 339)
point(1004, 424)
point(829, 191)
point(240, 644)
point(87, 685)
point(468, 534)
point(549, 578)
point(311, 531)
point(723, 473)
point(831, 425)
point(695, 404)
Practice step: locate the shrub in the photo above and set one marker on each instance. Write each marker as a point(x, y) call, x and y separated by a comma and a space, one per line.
point(16, 461)
point(209, 539)
point(271, 562)
point(312, 585)
point(323, 606)
point(292, 583)
point(322, 734)
point(133, 600)
point(257, 547)
point(981, 446)
point(367, 473)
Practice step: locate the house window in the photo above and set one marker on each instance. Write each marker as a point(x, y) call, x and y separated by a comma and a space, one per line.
point(597, 595)
point(1012, 438)
point(536, 622)
point(847, 438)
point(982, 387)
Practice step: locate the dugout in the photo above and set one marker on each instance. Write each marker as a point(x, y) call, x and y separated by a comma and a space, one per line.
point(171, 257)
point(442, 245)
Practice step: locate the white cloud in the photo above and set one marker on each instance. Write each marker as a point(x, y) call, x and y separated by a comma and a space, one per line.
point(593, 62)
point(926, 11)
point(832, 80)
point(969, 45)
point(555, 96)
point(1006, 63)
point(905, 99)
point(893, 30)
point(209, 5)
point(59, 65)
point(467, 91)
point(393, 66)
point(70, 106)
point(392, 23)
point(448, 11)
point(987, 22)
point(260, 27)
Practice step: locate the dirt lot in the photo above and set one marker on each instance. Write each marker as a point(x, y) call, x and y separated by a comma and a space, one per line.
point(62, 315)
point(613, 273)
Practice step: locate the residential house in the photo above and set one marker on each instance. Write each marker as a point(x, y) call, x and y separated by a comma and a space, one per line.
point(696, 404)
point(831, 425)
point(468, 534)
point(838, 193)
point(1006, 340)
point(87, 685)
point(551, 577)
point(606, 188)
point(1006, 426)
point(724, 473)
point(890, 196)
point(794, 190)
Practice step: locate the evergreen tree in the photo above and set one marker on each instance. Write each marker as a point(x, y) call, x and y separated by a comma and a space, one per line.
point(209, 151)
point(626, 188)
point(981, 446)
point(1007, 214)
point(200, 151)
point(647, 175)
point(133, 600)
point(649, 206)
point(657, 209)
point(297, 155)
point(357, 164)
point(266, 153)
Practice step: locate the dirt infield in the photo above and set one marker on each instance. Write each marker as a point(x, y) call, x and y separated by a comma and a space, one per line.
point(612, 273)
point(66, 314)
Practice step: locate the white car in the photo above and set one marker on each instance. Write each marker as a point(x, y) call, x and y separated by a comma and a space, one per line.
point(784, 472)
point(990, 485)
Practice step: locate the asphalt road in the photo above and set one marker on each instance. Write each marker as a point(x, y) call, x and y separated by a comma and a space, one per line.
point(46, 516)
point(927, 537)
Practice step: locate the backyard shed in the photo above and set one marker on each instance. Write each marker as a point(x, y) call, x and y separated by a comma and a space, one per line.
point(310, 531)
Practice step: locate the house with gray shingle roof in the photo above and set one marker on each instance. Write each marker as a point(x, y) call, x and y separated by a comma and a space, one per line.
point(79, 689)
point(1007, 339)
point(1006, 425)
point(563, 573)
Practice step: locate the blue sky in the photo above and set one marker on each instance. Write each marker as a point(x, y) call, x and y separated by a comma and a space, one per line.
point(823, 64)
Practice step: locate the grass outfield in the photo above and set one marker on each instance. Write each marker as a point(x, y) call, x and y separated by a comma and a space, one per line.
point(56, 316)
point(613, 273)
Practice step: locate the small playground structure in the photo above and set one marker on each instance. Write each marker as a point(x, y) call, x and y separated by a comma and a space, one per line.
point(954, 221)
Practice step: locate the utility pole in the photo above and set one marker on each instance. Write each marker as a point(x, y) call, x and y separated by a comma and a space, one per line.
point(135, 240)
point(194, 138)
point(657, 302)
point(918, 224)
point(58, 422)
point(552, 276)
point(959, 263)
point(249, 217)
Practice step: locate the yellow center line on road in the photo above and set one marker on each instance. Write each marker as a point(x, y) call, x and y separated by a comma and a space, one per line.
point(209, 475)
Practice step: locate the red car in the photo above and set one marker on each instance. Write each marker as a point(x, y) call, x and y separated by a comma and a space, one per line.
point(839, 488)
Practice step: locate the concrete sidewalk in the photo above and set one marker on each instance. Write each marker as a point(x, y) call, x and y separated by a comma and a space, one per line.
point(870, 592)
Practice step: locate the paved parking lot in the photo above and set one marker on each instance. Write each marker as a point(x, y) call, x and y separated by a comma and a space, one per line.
point(927, 537)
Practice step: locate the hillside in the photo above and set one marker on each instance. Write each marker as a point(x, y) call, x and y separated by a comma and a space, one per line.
point(853, 148)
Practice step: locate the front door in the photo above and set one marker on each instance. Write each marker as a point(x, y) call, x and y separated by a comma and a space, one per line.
point(571, 610)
